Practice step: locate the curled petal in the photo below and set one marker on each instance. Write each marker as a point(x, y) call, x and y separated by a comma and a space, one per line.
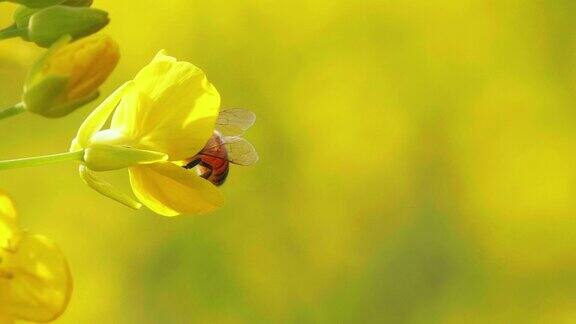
point(171, 190)
point(125, 117)
point(96, 120)
point(36, 281)
point(107, 189)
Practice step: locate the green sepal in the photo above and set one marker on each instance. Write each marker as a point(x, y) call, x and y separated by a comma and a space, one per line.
point(37, 66)
point(44, 93)
point(103, 157)
point(107, 189)
point(63, 109)
point(50, 24)
point(78, 3)
point(44, 98)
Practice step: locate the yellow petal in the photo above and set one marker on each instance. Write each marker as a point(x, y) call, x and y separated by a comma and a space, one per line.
point(36, 282)
point(173, 109)
point(8, 220)
point(171, 190)
point(6, 319)
point(163, 56)
point(107, 189)
point(96, 120)
point(124, 119)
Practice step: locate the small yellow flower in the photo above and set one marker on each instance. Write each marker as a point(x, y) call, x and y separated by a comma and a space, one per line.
point(69, 75)
point(35, 282)
point(162, 117)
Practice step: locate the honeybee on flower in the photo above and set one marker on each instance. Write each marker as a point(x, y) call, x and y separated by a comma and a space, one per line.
point(162, 121)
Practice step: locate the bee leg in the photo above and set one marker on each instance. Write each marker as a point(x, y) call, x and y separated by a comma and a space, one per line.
point(192, 163)
point(207, 172)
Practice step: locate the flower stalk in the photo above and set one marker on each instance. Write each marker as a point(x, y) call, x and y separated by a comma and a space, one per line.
point(41, 160)
point(12, 32)
point(12, 111)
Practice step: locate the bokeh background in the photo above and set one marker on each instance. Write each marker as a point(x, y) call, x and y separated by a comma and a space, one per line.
point(418, 165)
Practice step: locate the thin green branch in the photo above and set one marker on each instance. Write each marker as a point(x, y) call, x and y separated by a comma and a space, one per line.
point(41, 160)
point(11, 32)
point(12, 111)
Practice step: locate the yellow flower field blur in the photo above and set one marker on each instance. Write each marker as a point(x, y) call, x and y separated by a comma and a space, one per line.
point(417, 165)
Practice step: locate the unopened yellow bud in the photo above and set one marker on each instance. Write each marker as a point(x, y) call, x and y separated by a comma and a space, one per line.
point(87, 63)
point(69, 75)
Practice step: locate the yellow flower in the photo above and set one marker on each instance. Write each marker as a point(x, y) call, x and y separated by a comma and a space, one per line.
point(162, 117)
point(69, 75)
point(35, 282)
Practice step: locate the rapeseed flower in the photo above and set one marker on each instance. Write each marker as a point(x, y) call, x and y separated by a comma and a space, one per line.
point(164, 116)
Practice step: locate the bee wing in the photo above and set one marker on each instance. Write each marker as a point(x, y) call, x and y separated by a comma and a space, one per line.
point(234, 121)
point(240, 151)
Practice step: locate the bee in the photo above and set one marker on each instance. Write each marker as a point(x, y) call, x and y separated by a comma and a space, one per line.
point(225, 146)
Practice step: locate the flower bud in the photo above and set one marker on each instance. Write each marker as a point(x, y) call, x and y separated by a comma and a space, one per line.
point(50, 24)
point(38, 3)
point(22, 14)
point(48, 3)
point(69, 75)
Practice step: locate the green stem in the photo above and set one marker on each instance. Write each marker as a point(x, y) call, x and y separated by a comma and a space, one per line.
point(41, 160)
point(12, 111)
point(11, 32)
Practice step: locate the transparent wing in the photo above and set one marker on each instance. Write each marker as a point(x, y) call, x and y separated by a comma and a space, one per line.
point(234, 149)
point(240, 151)
point(234, 121)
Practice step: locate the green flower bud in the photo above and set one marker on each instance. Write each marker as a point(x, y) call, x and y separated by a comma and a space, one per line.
point(38, 3)
point(69, 74)
point(22, 14)
point(48, 3)
point(48, 25)
point(21, 19)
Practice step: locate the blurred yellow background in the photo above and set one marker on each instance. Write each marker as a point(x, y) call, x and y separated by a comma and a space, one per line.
point(418, 165)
